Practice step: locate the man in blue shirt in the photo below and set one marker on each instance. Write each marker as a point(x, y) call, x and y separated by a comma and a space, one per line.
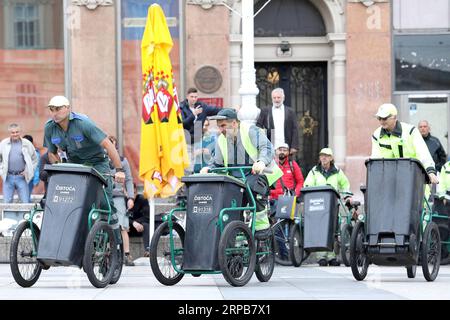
point(81, 140)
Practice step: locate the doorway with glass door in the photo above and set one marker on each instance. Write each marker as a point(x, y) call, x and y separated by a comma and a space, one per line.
point(305, 88)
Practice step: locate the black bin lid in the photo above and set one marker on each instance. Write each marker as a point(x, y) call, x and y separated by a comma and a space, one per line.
point(320, 188)
point(427, 178)
point(74, 168)
point(212, 177)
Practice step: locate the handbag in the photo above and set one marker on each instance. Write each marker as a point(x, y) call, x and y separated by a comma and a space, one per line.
point(287, 204)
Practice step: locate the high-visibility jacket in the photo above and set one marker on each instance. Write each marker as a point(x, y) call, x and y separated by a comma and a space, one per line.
point(251, 150)
point(444, 180)
point(405, 141)
point(334, 177)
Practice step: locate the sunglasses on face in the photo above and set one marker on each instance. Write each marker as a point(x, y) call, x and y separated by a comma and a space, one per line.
point(383, 119)
point(55, 108)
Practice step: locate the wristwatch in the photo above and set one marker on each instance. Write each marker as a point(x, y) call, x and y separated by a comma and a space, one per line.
point(120, 170)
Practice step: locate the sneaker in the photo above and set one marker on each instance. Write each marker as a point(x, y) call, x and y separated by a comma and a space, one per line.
point(146, 254)
point(334, 263)
point(128, 261)
point(323, 262)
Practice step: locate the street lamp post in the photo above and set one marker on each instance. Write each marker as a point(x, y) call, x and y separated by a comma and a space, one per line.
point(249, 112)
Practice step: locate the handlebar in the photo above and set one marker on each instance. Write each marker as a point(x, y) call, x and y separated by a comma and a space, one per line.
point(240, 168)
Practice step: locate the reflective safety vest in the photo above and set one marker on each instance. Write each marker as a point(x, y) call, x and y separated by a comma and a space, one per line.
point(337, 179)
point(444, 180)
point(252, 152)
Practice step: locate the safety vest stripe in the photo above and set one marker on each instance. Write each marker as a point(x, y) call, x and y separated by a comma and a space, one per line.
point(385, 146)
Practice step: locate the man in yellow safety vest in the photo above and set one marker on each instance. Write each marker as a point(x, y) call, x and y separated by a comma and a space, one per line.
point(240, 144)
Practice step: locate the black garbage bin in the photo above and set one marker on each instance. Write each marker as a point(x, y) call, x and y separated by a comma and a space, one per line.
point(72, 190)
point(207, 194)
point(321, 208)
point(395, 199)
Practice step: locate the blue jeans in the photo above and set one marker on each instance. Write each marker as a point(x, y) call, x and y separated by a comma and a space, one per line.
point(12, 183)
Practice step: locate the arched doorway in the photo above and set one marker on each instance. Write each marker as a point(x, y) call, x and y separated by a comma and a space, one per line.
point(300, 47)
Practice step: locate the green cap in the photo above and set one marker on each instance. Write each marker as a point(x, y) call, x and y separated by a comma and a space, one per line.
point(225, 114)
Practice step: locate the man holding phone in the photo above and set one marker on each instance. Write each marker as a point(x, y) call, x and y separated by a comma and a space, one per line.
point(194, 114)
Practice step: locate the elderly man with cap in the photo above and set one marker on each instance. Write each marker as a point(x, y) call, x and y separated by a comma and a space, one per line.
point(395, 139)
point(240, 144)
point(326, 173)
point(82, 141)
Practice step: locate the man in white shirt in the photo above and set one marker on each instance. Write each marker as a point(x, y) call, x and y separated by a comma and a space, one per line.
point(280, 121)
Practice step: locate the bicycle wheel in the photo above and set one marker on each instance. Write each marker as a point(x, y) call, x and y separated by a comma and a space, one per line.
point(118, 271)
point(265, 258)
point(281, 244)
point(359, 261)
point(296, 251)
point(431, 252)
point(160, 253)
point(236, 254)
point(346, 234)
point(25, 267)
point(100, 254)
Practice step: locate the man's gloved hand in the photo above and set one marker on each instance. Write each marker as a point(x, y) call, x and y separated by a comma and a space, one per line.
point(204, 170)
point(258, 167)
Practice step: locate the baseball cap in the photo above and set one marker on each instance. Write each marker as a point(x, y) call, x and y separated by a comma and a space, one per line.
point(386, 110)
point(225, 114)
point(58, 101)
point(326, 151)
point(281, 145)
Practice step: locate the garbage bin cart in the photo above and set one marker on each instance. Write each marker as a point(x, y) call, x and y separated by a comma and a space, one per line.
point(207, 195)
point(395, 199)
point(321, 206)
point(71, 192)
point(398, 229)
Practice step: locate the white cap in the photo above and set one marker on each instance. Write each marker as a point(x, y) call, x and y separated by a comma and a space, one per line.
point(281, 145)
point(326, 151)
point(58, 101)
point(386, 110)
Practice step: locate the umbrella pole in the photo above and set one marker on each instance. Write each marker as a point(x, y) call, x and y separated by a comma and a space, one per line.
point(152, 218)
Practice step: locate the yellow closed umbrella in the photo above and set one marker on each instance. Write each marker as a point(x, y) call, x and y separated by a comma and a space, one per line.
point(163, 153)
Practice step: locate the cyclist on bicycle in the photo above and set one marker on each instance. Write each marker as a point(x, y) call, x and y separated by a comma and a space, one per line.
point(326, 173)
point(242, 145)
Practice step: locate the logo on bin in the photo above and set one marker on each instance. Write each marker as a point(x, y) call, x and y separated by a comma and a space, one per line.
point(202, 203)
point(317, 204)
point(64, 194)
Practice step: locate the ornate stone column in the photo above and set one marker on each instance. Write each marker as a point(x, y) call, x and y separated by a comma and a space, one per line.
point(339, 104)
point(92, 4)
point(249, 112)
point(93, 75)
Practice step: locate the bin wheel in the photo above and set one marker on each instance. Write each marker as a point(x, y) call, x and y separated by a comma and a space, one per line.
point(100, 254)
point(411, 271)
point(265, 262)
point(236, 254)
point(431, 252)
point(160, 253)
point(25, 267)
point(281, 249)
point(118, 271)
point(359, 261)
point(346, 234)
point(296, 250)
